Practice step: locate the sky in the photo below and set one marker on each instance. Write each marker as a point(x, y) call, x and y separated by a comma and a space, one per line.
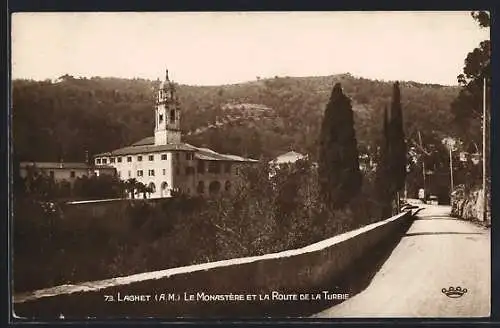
point(224, 48)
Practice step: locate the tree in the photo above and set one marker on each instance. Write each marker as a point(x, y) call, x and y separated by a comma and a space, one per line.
point(397, 142)
point(391, 173)
point(467, 107)
point(130, 186)
point(338, 166)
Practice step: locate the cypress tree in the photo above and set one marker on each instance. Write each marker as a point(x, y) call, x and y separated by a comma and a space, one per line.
point(338, 165)
point(397, 140)
point(391, 173)
point(383, 177)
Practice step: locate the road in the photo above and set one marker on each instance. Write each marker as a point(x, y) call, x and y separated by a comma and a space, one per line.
point(437, 252)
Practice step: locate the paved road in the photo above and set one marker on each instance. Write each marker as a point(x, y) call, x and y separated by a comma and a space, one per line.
point(437, 252)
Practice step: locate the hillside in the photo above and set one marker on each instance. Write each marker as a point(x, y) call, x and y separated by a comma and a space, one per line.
point(64, 118)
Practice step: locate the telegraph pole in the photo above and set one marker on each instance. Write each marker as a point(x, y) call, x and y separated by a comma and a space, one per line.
point(423, 159)
point(451, 170)
point(484, 150)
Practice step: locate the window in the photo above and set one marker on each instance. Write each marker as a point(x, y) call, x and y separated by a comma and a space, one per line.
point(151, 157)
point(112, 160)
point(213, 167)
point(227, 167)
point(172, 115)
point(139, 158)
point(51, 173)
point(129, 174)
point(104, 161)
point(152, 187)
point(214, 187)
point(139, 173)
point(72, 174)
point(237, 171)
point(129, 159)
point(189, 156)
point(227, 185)
point(201, 166)
point(151, 173)
point(189, 170)
point(201, 187)
point(164, 172)
point(161, 118)
point(119, 174)
point(163, 157)
point(98, 161)
point(119, 159)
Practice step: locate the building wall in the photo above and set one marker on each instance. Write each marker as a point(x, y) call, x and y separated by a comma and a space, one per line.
point(61, 174)
point(179, 171)
point(162, 170)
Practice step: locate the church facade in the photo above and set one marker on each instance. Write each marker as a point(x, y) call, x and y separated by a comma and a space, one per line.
point(166, 164)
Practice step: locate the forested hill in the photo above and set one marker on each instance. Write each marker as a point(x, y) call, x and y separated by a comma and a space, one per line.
point(54, 120)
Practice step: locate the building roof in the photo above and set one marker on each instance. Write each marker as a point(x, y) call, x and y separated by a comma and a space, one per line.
point(145, 141)
point(146, 145)
point(63, 165)
point(290, 157)
point(147, 148)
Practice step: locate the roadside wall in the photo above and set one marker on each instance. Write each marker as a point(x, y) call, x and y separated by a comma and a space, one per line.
point(468, 204)
point(314, 268)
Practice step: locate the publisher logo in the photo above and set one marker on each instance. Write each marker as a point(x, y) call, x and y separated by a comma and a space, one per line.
point(454, 292)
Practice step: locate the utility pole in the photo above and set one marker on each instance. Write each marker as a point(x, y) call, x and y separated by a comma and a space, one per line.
point(484, 150)
point(451, 170)
point(423, 160)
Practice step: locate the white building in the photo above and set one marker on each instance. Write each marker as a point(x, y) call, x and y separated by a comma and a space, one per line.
point(290, 157)
point(165, 163)
point(61, 171)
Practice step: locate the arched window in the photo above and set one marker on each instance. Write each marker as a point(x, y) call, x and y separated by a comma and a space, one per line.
point(227, 185)
point(164, 185)
point(214, 187)
point(152, 187)
point(201, 187)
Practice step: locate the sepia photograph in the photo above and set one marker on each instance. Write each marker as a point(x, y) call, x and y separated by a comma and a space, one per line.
point(250, 165)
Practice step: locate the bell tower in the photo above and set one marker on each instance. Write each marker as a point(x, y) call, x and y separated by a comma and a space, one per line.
point(167, 114)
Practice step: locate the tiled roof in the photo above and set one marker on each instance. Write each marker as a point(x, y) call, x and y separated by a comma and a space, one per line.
point(146, 145)
point(131, 150)
point(145, 141)
point(289, 157)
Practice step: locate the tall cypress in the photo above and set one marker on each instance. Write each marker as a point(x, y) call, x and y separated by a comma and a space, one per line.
point(383, 177)
point(338, 165)
point(391, 173)
point(397, 140)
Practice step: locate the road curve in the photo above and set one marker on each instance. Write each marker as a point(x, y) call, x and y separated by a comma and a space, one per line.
point(436, 252)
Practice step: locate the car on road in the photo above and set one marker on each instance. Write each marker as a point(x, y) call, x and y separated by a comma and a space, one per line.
point(433, 200)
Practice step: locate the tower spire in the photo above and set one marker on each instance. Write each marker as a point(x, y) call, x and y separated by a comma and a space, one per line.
point(166, 74)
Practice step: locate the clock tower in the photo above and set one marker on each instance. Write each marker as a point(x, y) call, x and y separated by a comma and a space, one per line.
point(167, 114)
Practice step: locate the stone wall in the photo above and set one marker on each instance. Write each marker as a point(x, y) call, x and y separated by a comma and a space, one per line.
point(330, 265)
point(467, 203)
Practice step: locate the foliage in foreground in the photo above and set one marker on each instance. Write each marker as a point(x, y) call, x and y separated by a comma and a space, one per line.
point(68, 243)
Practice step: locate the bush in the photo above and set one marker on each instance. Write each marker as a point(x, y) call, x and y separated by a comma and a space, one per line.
point(69, 243)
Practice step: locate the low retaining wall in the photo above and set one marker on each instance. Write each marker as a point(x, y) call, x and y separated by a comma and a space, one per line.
point(468, 204)
point(115, 208)
point(323, 266)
